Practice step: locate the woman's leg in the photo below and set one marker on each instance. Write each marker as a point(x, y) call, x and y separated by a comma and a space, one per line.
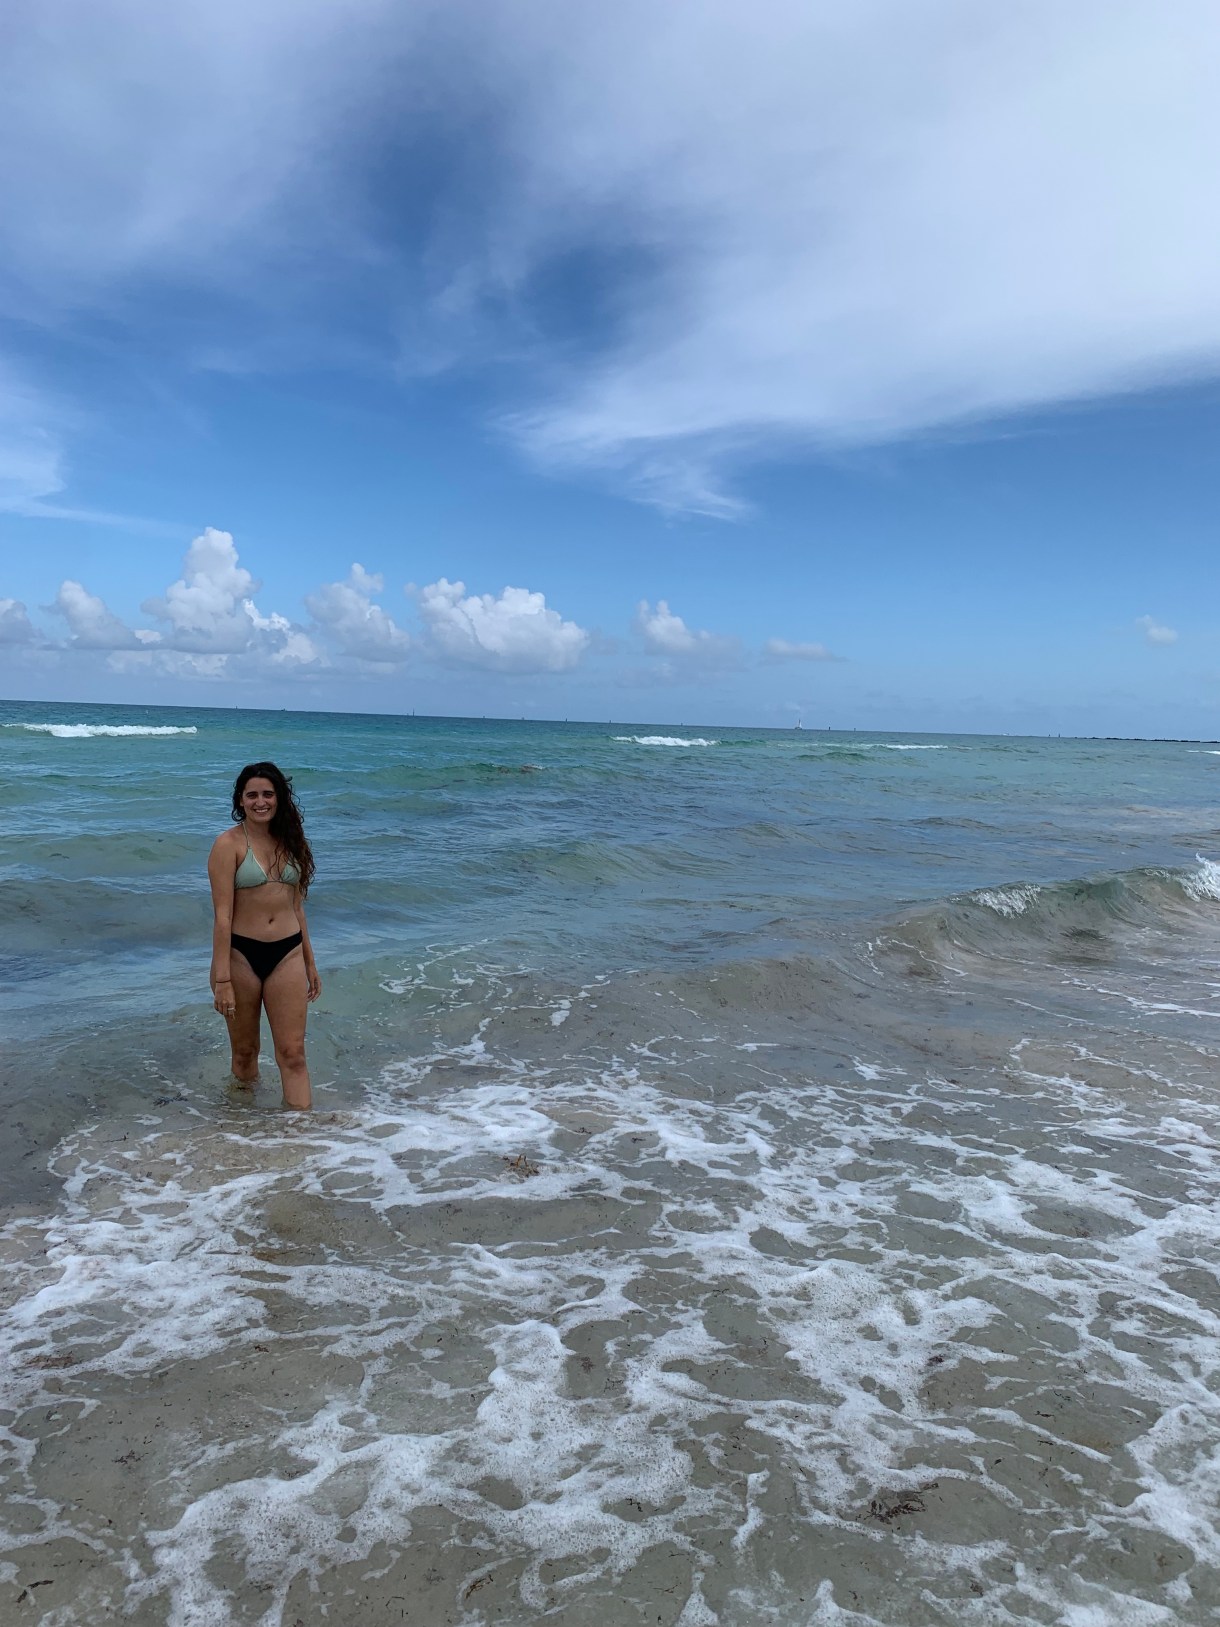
point(285, 999)
point(244, 1034)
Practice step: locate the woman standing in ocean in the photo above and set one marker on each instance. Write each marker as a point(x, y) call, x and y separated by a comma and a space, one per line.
point(260, 870)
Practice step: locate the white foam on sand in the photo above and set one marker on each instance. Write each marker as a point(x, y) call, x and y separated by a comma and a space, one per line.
point(576, 1338)
point(89, 731)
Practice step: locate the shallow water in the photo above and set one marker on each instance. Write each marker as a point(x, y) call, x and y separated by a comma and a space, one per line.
point(772, 1179)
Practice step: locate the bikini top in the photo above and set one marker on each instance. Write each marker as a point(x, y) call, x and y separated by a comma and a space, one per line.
point(250, 872)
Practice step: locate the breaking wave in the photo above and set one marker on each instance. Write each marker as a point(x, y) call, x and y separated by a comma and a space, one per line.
point(88, 731)
point(1066, 917)
point(663, 740)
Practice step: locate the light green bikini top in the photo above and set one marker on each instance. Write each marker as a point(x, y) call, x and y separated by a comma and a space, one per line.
point(250, 872)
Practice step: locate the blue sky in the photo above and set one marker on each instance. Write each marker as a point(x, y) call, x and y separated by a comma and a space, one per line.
point(704, 363)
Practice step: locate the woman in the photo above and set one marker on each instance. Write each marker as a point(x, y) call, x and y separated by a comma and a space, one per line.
point(260, 870)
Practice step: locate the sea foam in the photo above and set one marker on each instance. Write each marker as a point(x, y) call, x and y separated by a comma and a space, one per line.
point(1203, 882)
point(87, 731)
point(663, 740)
point(842, 1290)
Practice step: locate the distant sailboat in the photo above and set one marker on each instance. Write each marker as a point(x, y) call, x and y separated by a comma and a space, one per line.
point(798, 724)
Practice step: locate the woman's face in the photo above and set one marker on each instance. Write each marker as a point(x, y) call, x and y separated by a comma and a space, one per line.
point(258, 800)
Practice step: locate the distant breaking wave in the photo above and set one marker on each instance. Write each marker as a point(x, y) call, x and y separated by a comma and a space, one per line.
point(662, 740)
point(86, 731)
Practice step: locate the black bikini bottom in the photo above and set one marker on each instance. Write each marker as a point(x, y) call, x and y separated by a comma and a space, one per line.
point(264, 957)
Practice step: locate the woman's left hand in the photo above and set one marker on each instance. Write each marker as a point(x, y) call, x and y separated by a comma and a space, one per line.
point(315, 982)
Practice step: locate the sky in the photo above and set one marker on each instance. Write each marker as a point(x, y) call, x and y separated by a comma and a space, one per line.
point(707, 362)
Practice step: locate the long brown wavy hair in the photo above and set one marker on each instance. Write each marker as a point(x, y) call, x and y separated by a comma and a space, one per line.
point(286, 827)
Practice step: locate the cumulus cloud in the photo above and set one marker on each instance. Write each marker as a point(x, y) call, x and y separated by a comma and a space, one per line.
point(285, 644)
point(345, 612)
point(92, 624)
point(15, 624)
point(205, 608)
point(212, 625)
point(1156, 632)
point(511, 632)
point(782, 649)
point(662, 631)
point(666, 634)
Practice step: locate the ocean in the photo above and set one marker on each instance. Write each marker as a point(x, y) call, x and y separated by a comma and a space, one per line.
point(755, 1177)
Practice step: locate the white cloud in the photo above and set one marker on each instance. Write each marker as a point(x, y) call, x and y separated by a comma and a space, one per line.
point(662, 631)
point(1156, 632)
point(856, 223)
point(30, 454)
point(214, 627)
point(346, 613)
point(124, 175)
point(15, 624)
point(286, 645)
point(666, 634)
point(819, 223)
point(514, 632)
point(92, 624)
point(206, 606)
point(782, 649)
point(164, 663)
point(32, 470)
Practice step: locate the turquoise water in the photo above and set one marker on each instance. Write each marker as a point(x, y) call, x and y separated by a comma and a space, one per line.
point(757, 1174)
point(568, 846)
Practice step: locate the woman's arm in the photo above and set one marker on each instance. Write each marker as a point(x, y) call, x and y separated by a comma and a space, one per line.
point(311, 965)
point(221, 870)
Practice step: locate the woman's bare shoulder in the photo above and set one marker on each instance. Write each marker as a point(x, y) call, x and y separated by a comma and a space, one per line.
point(230, 838)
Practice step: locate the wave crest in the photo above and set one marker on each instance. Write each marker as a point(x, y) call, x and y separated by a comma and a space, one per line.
point(663, 740)
point(88, 731)
point(1066, 917)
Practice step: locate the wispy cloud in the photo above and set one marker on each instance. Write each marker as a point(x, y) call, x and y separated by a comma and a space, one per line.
point(787, 226)
point(860, 223)
point(127, 175)
point(1155, 632)
point(782, 649)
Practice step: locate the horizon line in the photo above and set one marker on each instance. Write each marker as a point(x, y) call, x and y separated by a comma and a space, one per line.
point(624, 723)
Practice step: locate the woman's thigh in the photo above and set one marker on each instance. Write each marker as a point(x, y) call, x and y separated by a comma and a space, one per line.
point(286, 999)
point(248, 998)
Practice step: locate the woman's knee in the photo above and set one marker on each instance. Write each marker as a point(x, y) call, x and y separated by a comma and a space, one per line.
point(290, 1053)
point(245, 1060)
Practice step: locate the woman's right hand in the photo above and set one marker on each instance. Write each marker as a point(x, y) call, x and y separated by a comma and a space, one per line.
point(225, 1001)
